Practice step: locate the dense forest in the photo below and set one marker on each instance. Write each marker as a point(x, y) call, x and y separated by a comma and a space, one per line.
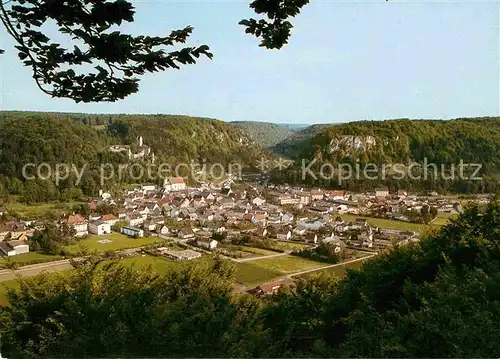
point(83, 139)
point(437, 298)
point(403, 142)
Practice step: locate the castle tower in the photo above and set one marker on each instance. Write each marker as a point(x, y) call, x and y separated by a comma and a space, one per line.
point(153, 158)
point(139, 141)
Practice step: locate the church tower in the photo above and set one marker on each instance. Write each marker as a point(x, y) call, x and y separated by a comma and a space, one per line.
point(139, 141)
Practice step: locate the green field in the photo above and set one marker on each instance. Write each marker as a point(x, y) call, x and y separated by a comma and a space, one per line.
point(391, 224)
point(264, 270)
point(442, 219)
point(257, 251)
point(158, 264)
point(28, 258)
point(291, 245)
point(40, 211)
point(250, 274)
point(119, 241)
point(337, 272)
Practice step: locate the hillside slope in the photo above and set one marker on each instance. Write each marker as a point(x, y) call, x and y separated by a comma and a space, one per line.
point(83, 139)
point(472, 141)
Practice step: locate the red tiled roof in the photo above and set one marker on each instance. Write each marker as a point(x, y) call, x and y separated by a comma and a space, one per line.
point(75, 219)
point(176, 180)
point(108, 217)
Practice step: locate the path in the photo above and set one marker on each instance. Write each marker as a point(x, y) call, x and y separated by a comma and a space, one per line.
point(35, 269)
point(331, 266)
point(288, 278)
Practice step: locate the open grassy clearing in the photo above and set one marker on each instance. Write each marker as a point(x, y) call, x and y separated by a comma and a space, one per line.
point(258, 252)
point(442, 219)
point(389, 223)
point(264, 270)
point(28, 258)
point(288, 264)
point(158, 264)
point(40, 211)
point(291, 245)
point(251, 274)
point(118, 241)
point(337, 272)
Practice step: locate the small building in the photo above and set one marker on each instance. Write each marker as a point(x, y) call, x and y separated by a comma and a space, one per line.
point(179, 255)
point(162, 229)
point(13, 248)
point(79, 224)
point(316, 195)
point(284, 236)
point(265, 289)
point(148, 187)
point(186, 233)
point(174, 184)
point(132, 232)
point(206, 243)
point(99, 228)
point(381, 192)
point(109, 219)
point(94, 217)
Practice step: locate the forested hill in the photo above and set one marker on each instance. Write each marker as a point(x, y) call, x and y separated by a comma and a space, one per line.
point(264, 134)
point(441, 142)
point(82, 138)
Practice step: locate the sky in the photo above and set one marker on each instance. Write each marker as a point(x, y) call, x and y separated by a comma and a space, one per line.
point(346, 61)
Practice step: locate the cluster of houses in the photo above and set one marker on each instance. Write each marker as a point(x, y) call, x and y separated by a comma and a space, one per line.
point(14, 237)
point(377, 202)
point(281, 213)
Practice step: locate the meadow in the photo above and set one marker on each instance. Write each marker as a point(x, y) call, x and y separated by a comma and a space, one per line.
point(384, 223)
point(118, 241)
point(264, 270)
point(28, 258)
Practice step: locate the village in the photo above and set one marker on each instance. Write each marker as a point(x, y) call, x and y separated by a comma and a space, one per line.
point(241, 221)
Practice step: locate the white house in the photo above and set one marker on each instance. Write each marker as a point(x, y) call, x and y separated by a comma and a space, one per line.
point(284, 236)
point(109, 219)
point(148, 187)
point(163, 230)
point(99, 228)
point(207, 243)
point(135, 219)
point(186, 233)
point(174, 184)
point(13, 248)
point(257, 201)
point(381, 192)
point(133, 232)
point(79, 224)
point(300, 231)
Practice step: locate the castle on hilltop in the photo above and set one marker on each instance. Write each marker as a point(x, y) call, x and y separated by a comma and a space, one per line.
point(143, 151)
